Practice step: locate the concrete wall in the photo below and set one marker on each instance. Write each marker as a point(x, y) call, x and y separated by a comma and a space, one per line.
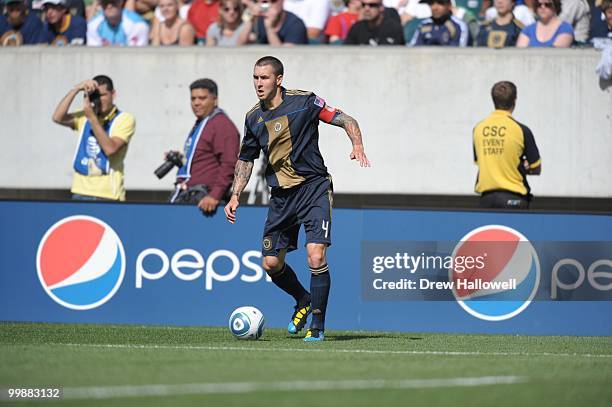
point(416, 107)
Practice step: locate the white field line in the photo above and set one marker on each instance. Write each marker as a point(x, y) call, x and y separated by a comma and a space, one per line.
point(149, 390)
point(331, 350)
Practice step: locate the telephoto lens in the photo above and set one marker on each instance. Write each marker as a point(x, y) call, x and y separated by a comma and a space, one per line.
point(174, 158)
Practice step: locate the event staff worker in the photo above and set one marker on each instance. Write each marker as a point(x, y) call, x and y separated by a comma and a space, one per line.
point(104, 133)
point(505, 152)
point(210, 151)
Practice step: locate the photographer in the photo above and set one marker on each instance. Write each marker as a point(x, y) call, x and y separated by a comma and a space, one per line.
point(210, 152)
point(104, 134)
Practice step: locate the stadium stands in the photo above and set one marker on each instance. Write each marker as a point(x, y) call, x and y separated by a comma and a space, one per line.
point(202, 13)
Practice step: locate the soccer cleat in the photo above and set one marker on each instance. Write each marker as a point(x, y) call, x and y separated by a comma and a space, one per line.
point(298, 319)
point(314, 335)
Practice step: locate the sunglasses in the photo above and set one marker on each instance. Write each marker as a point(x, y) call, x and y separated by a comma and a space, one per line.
point(546, 5)
point(370, 5)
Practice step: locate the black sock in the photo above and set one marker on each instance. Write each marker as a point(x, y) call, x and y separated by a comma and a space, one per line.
point(287, 281)
point(320, 282)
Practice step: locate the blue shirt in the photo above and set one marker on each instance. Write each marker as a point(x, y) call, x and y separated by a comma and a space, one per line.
point(599, 26)
point(530, 32)
point(292, 31)
point(30, 32)
point(74, 32)
point(133, 30)
point(494, 35)
point(448, 31)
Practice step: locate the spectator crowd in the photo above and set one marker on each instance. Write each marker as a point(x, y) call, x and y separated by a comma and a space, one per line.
point(458, 23)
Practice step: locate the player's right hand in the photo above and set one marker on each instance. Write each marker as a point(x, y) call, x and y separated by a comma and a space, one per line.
point(230, 209)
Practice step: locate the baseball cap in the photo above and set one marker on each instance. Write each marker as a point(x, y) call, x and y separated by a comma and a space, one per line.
point(55, 2)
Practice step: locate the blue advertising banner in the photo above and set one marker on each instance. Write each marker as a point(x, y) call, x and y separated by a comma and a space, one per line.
point(169, 265)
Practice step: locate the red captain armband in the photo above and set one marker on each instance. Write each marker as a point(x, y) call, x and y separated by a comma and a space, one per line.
point(328, 113)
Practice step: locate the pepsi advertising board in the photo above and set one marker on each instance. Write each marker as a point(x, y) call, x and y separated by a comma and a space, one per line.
point(392, 270)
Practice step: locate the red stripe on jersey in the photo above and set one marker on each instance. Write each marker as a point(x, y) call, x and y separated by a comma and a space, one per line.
point(327, 114)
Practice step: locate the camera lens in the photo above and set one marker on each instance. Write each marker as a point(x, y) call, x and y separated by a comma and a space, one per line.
point(172, 159)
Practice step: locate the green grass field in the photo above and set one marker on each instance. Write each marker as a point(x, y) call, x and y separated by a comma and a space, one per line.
point(174, 366)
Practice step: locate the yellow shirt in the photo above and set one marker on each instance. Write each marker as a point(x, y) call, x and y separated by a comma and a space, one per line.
point(108, 186)
point(500, 146)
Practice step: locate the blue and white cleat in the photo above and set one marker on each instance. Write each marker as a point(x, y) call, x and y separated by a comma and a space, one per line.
point(314, 335)
point(298, 319)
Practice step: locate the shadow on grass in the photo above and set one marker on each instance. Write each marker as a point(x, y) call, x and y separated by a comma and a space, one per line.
point(365, 336)
point(358, 336)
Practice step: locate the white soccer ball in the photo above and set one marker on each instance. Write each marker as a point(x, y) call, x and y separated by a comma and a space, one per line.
point(247, 323)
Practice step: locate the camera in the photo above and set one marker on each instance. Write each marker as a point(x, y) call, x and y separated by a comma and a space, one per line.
point(264, 7)
point(94, 98)
point(174, 158)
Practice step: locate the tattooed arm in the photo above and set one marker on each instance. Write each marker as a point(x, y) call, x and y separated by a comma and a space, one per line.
point(242, 174)
point(351, 127)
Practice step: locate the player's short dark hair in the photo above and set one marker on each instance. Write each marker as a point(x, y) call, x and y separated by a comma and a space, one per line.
point(205, 83)
point(504, 95)
point(275, 63)
point(605, 4)
point(104, 80)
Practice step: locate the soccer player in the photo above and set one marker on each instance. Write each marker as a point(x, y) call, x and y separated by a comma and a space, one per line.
point(284, 124)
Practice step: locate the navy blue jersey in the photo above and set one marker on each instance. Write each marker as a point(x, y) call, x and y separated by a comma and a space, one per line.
point(494, 35)
point(288, 136)
point(599, 26)
point(448, 31)
point(73, 32)
point(30, 32)
point(292, 30)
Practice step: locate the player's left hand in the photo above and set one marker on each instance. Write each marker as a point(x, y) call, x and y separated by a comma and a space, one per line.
point(359, 155)
point(230, 209)
point(208, 204)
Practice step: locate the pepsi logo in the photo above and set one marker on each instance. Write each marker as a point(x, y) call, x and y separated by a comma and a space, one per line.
point(80, 262)
point(505, 282)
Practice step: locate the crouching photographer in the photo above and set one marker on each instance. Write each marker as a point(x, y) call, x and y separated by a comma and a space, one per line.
point(206, 166)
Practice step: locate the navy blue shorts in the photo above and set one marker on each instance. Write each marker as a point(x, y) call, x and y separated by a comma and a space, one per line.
point(306, 204)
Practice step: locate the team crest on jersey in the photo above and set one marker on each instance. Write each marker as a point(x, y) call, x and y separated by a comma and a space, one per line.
point(260, 119)
point(267, 243)
point(277, 127)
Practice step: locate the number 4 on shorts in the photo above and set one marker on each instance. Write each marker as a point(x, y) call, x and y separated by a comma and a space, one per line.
point(325, 227)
